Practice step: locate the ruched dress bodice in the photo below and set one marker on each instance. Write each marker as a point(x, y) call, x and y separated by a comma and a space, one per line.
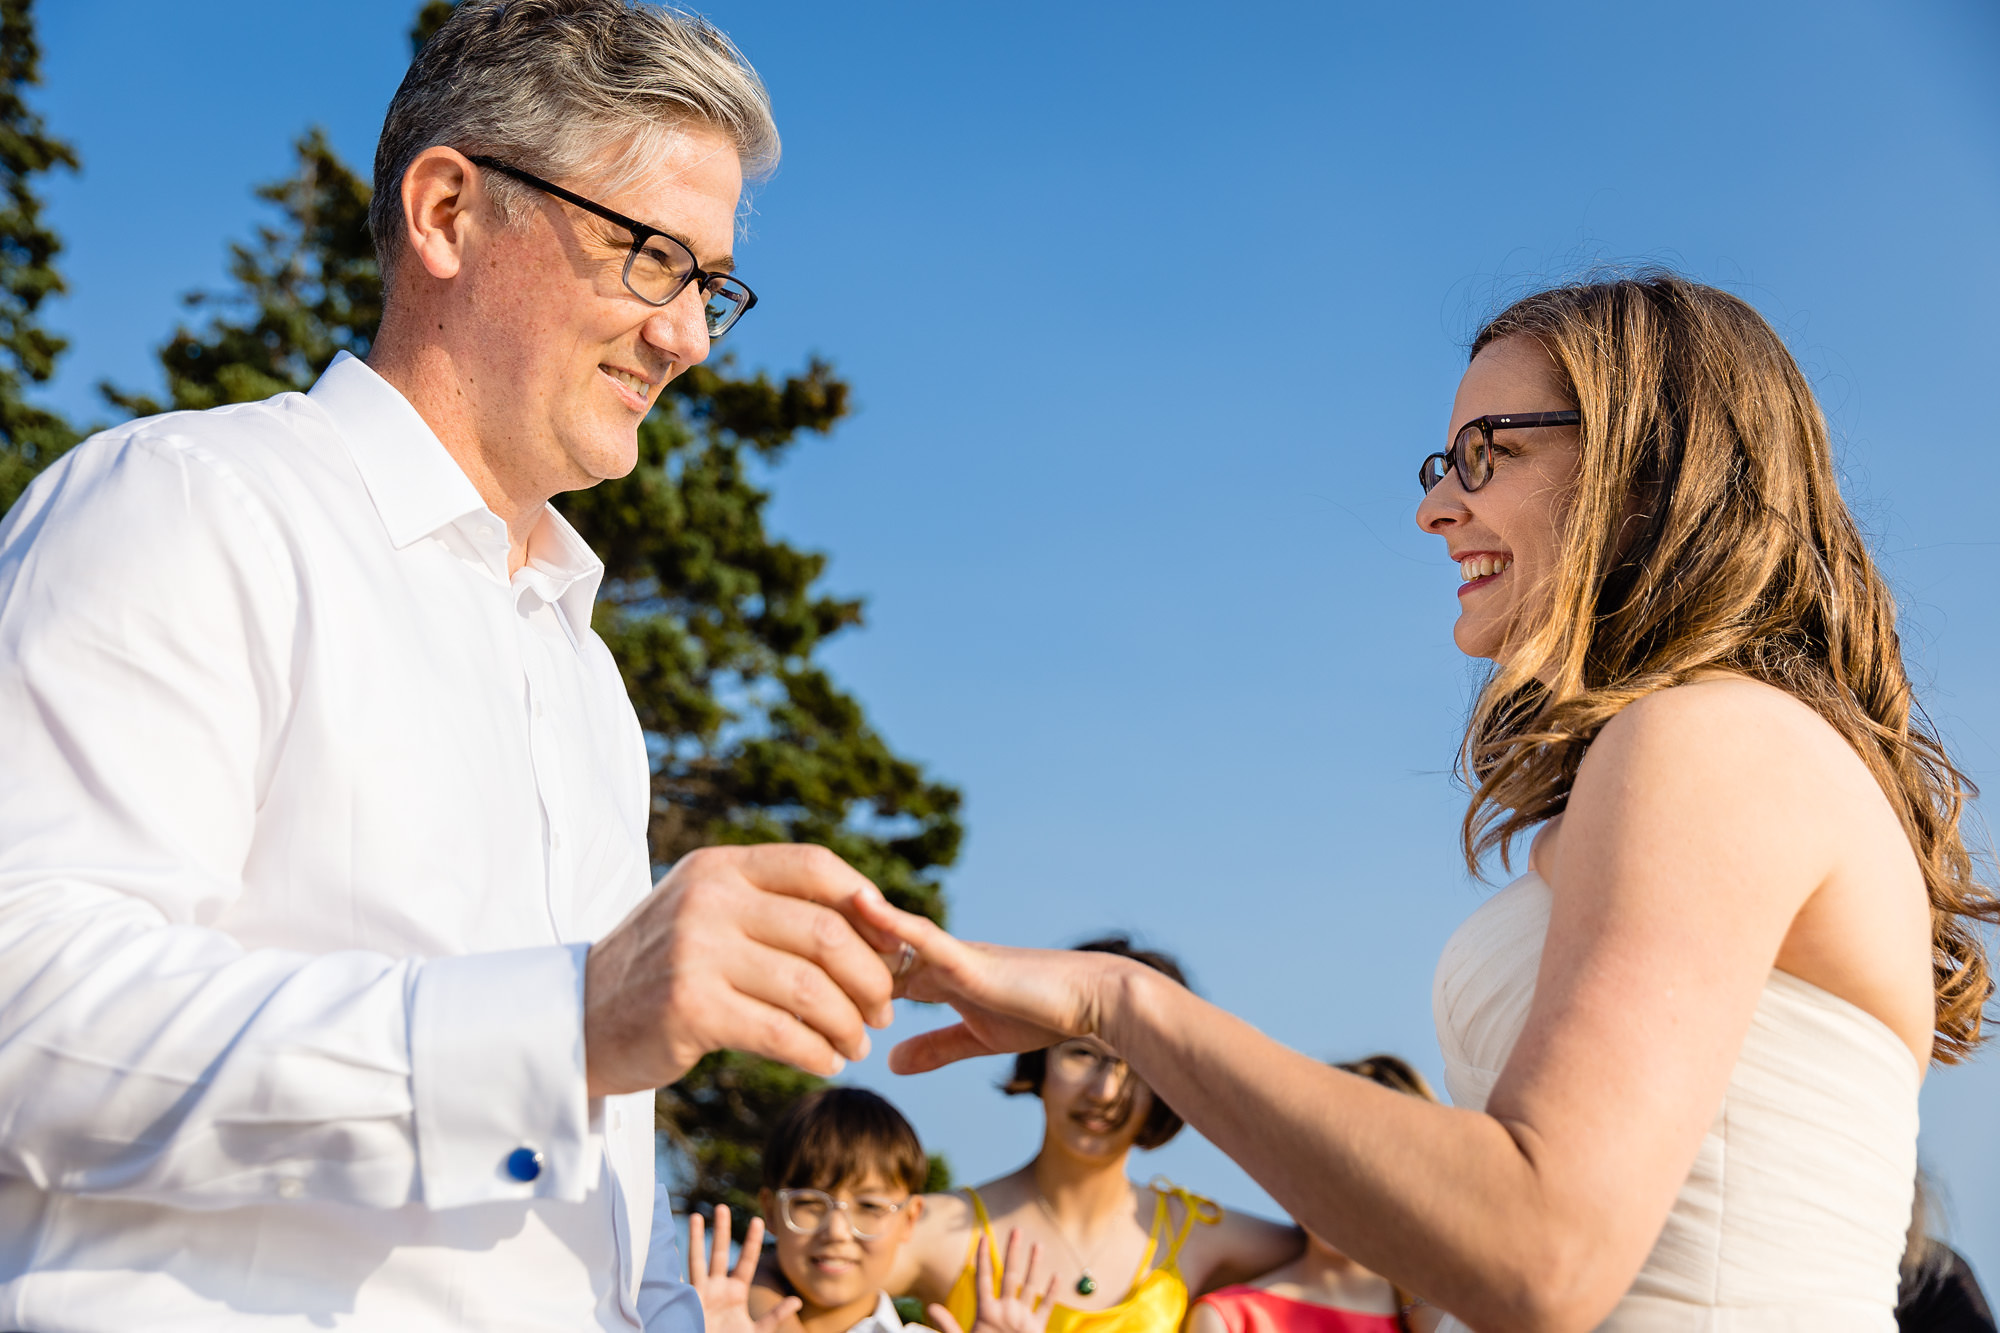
point(1794, 1213)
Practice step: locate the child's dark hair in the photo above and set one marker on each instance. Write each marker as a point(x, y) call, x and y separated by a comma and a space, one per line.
point(1392, 1072)
point(1031, 1067)
point(836, 1137)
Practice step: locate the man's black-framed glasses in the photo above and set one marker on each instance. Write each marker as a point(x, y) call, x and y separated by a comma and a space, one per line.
point(659, 267)
point(1471, 451)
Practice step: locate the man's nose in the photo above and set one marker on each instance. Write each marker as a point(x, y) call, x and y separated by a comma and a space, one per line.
point(680, 328)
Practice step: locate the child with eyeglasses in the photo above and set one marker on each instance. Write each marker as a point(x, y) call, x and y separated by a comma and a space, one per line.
point(843, 1175)
point(843, 1181)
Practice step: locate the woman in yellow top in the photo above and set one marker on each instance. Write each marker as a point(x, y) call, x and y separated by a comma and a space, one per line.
point(1124, 1258)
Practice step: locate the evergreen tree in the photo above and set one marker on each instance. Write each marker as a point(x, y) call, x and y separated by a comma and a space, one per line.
point(30, 437)
point(714, 622)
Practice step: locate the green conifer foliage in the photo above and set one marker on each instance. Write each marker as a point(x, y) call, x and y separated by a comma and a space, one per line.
point(308, 289)
point(30, 437)
point(713, 621)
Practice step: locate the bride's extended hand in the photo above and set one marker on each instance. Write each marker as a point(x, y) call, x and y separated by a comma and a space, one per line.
point(1007, 999)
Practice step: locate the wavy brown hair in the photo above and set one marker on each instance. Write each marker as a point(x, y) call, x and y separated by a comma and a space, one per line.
point(1707, 534)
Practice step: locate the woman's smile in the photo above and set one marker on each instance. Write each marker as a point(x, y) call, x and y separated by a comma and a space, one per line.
point(1476, 569)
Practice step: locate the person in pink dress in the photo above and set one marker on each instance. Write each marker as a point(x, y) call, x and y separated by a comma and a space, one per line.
point(1323, 1290)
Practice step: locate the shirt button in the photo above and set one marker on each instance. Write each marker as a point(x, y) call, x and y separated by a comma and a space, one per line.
point(555, 839)
point(290, 1187)
point(538, 708)
point(617, 1118)
point(524, 1164)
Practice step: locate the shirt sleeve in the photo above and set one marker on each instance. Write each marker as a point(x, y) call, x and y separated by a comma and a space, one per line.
point(667, 1304)
point(149, 620)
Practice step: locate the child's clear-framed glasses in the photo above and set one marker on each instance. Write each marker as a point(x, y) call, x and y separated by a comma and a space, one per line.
point(805, 1211)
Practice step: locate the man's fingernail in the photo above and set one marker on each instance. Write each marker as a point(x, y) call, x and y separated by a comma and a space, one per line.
point(838, 1065)
point(866, 1046)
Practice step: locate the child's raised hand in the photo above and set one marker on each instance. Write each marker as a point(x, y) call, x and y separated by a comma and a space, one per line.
point(1019, 1303)
point(725, 1295)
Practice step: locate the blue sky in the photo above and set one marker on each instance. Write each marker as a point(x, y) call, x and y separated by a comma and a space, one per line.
point(1150, 311)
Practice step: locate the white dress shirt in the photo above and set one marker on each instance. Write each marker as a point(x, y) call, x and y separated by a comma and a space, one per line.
point(308, 812)
point(883, 1318)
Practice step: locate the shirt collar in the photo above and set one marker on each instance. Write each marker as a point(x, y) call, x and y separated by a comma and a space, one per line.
point(562, 568)
point(417, 486)
point(883, 1320)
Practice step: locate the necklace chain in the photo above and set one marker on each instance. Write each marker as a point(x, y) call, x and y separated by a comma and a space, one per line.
point(1085, 1283)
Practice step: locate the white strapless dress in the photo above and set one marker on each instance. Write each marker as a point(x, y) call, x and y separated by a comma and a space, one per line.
point(1794, 1214)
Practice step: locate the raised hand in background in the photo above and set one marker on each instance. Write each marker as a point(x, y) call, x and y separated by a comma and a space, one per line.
point(725, 1295)
point(1019, 1303)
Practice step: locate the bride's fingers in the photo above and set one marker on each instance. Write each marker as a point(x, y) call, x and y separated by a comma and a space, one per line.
point(934, 946)
point(936, 1049)
point(1046, 1302)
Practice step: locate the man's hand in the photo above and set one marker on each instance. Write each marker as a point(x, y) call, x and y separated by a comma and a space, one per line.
point(725, 1296)
point(1022, 1301)
point(755, 949)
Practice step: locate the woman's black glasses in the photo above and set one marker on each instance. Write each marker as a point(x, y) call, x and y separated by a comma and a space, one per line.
point(1471, 452)
point(659, 268)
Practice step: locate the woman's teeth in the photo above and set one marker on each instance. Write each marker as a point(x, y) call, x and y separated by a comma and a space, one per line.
point(1479, 566)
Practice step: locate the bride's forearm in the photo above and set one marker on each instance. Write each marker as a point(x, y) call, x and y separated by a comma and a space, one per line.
point(1448, 1203)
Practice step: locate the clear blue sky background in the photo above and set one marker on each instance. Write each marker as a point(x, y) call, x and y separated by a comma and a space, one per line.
point(1150, 310)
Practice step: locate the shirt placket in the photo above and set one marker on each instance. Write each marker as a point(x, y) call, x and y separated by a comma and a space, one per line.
point(545, 755)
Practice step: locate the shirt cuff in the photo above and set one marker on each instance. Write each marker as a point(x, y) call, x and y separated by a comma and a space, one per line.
point(497, 1077)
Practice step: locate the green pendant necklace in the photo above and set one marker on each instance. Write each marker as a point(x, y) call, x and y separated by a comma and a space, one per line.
point(1086, 1284)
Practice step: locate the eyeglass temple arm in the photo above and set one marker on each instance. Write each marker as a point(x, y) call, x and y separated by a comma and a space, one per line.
point(1500, 421)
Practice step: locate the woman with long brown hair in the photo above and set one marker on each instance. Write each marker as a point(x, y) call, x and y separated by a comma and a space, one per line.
point(1685, 1045)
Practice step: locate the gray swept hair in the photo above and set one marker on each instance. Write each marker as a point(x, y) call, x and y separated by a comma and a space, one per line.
point(560, 88)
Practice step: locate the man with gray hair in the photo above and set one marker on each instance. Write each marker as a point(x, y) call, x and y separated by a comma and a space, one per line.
point(333, 983)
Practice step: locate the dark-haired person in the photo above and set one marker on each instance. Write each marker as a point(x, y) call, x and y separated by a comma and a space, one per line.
point(1685, 1045)
point(843, 1172)
point(1939, 1292)
point(1323, 1290)
point(1125, 1257)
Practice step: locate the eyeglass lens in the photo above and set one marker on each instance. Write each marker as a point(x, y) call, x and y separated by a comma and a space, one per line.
point(806, 1211)
point(1471, 454)
point(660, 268)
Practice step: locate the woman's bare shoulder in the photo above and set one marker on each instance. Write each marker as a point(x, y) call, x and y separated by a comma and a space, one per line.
point(948, 1214)
point(1228, 1246)
point(1736, 751)
point(1725, 713)
point(952, 1205)
point(929, 1261)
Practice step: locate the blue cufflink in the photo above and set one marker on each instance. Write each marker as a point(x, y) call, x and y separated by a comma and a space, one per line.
point(524, 1164)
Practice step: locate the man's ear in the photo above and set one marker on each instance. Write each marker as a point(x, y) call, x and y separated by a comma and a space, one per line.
point(440, 189)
